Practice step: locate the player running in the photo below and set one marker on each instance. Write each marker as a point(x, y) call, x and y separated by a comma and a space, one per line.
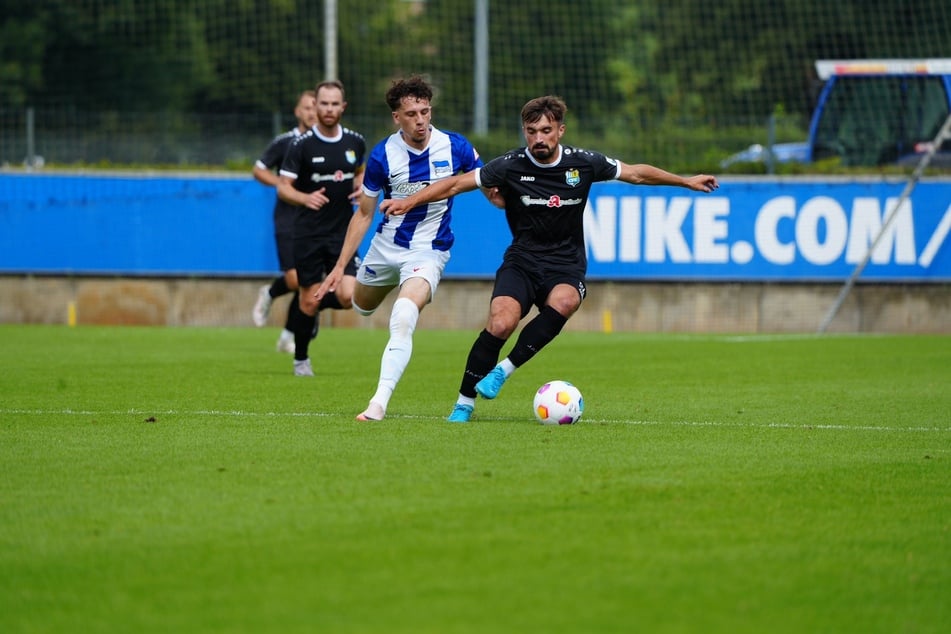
point(410, 252)
point(321, 173)
point(545, 187)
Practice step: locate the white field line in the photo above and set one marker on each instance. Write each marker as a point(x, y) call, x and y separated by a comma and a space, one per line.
point(406, 417)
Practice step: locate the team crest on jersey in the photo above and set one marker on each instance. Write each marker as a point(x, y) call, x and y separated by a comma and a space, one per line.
point(572, 177)
point(441, 168)
point(351, 157)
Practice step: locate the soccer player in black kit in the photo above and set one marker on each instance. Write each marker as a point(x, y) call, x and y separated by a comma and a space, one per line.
point(545, 186)
point(322, 173)
point(285, 215)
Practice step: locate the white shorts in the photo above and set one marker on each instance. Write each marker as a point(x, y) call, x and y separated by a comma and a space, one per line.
point(387, 264)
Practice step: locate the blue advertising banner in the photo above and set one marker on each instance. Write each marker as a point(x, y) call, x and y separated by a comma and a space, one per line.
point(754, 229)
point(763, 230)
point(136, 225)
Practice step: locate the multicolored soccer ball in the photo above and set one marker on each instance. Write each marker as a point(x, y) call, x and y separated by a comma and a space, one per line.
point(558, 403)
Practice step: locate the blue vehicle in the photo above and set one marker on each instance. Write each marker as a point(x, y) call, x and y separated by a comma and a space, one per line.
point(871, 113)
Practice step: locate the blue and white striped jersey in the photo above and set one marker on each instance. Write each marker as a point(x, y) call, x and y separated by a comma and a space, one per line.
point(397, 170)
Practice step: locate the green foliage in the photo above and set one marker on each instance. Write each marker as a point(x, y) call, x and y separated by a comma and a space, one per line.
point(181, 479)
point(21, 57)
point(652, 75)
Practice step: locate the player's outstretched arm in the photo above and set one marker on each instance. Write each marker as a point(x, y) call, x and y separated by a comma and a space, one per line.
point(434, 191)
point(359, 223)
point(643, 174)
point(264, 176)
point(702, 183)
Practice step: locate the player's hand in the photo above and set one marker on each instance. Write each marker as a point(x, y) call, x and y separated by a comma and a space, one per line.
point(317, 199)
point(703, 183)
point(354, 196)
point(329, 285)
point(394, 206)
point(495, 197)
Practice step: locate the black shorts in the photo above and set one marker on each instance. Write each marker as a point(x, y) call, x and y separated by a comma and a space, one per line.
point(530, 281)
point(285, 249)
point(314, 258)
point(284, 219)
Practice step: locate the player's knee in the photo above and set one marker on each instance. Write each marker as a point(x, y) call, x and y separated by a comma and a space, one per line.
point(405, 311)
point(308, 303)
point(566, 306)
point(565, 299)
point(501, 325)
point(504, 316)
point(366, 312)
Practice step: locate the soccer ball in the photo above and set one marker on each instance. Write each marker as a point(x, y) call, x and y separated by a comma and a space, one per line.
point(558, 403)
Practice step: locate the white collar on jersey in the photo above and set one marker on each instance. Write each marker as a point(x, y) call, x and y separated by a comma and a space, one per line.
point(329, 139)
point(554, 163)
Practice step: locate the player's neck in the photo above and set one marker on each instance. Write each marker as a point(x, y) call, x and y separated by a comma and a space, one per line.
point(415, 144)
point(554, 159)
point(330, 133)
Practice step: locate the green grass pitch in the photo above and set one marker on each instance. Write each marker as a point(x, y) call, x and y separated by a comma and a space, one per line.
point(182, 480)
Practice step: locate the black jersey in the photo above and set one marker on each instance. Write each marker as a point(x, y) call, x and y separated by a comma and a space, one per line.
point(271, 159)
point(315, 161)
point(544, 204)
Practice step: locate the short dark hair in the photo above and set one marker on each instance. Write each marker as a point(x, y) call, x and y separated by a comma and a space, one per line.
point(415, 87)
point(331, 83)
point(551, 106)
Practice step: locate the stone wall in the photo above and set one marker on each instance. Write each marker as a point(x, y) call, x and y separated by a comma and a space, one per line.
point(610, 306)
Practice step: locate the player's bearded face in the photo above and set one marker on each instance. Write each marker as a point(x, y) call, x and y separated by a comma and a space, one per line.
point(542, 138)
point(330, 106)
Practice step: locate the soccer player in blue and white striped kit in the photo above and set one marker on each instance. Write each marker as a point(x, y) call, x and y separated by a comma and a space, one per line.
point(409, 251)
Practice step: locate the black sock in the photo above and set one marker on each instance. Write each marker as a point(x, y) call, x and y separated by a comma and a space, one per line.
point(330, 301)
point(278, 287)
point(292, 308)
point(483, 356)
point(303, 328)
point(536, 334)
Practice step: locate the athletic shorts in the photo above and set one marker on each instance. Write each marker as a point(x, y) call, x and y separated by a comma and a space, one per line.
point(530, 281)
point(284, 220)
point(285, 249)
point(387, 264)
point(314, 258)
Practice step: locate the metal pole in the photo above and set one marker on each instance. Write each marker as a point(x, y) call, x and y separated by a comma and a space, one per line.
point(480, 122)
point(30, 138)
point(944, 133)
point(330, 39)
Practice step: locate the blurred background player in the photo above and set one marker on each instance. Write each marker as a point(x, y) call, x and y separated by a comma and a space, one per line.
point(285, 215)
point(321, 174)
point(410, 252)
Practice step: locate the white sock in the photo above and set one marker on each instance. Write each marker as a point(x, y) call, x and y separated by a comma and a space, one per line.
point(507, 366)
point(398, 349)
point(465, 400)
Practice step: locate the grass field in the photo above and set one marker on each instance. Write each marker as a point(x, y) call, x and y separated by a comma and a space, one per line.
point(182, 480)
